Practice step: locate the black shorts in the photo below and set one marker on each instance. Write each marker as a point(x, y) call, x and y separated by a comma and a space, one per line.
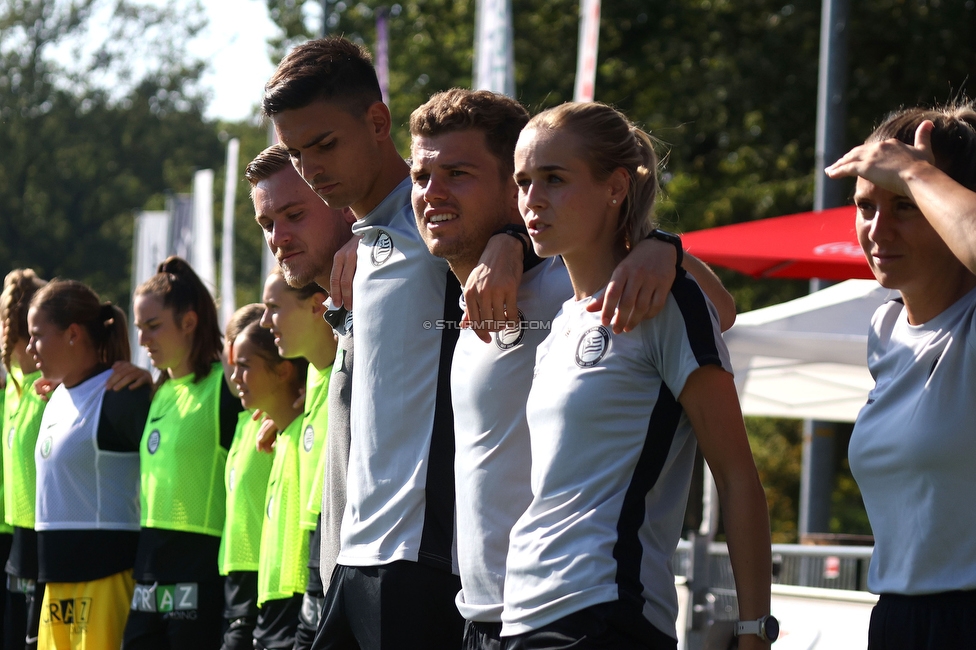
point(184, 618)
point(241, 595)
point(482, 636)
point(607, 626)
point(22, 558)
point(929, 622)
point(402, 606)
point(277, 623)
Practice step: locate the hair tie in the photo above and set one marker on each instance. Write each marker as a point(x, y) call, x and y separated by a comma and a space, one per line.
point(107, 314)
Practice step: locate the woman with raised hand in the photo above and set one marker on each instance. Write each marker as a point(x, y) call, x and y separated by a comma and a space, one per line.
point(614, 418)
point(87, 464)
point(913, 443)
point(272, 384)
point(22, 413)
point(178, 600)
point(246, 483)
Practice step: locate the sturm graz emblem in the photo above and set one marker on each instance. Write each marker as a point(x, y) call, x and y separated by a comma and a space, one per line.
point(152, 444)
point(46, 445)
point(592, 346)
point(508, 338)
point(382, 248)
point(309, 437)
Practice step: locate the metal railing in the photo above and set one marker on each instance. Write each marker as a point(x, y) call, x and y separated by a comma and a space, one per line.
point(708, 574)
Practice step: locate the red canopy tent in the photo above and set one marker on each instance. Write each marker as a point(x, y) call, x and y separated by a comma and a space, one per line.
point(807, 245)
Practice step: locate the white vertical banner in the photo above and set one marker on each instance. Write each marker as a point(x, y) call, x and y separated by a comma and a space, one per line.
point(589, 41)
point(494, 55)
point(150, 246)
point(202, 247)
point(228, 302)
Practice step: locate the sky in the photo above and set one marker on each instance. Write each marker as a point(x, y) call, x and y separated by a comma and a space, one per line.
point(235, 46)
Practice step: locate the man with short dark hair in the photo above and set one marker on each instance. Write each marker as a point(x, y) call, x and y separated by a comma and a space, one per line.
point(304, 235)
point(395, 581)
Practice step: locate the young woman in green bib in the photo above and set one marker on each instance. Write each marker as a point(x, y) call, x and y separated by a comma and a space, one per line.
point(246, 483)
point(20, 423)
point(178, 600)
point(295, 318)
point(267, 382)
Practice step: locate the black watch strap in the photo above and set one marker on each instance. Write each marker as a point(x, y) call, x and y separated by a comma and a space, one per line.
point(669, 238)
point(521, 233)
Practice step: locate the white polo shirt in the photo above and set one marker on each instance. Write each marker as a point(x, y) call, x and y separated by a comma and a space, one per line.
point(612, 459)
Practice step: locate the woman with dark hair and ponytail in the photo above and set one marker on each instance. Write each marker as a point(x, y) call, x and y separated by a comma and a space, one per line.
point(178, 600)
point(87, 463)
point(22, 413)
point(913, 445)
point(614, 417)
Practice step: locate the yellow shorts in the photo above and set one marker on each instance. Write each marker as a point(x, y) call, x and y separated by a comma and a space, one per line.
point(85, 615)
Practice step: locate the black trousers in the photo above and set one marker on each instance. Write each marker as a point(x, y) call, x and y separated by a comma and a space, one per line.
point(930, 622)
point(607, 626)
point(397, 606)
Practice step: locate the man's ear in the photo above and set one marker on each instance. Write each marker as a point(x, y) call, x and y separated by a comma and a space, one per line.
point(378, 117)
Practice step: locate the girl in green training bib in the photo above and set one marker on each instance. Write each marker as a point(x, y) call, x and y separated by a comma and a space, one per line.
point(267, 382)
point(178, 594)
point(19, 426)
point(295, 318)
point(246, 483)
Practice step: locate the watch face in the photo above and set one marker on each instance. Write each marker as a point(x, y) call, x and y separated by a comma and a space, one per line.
point(771, 628)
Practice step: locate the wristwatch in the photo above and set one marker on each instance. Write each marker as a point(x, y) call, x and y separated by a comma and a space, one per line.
point(766, 628)
point(669, 238)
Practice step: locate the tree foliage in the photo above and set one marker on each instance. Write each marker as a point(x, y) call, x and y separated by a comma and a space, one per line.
point(87, 140)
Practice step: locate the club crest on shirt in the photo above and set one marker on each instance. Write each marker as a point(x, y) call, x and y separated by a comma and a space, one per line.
point(308, 438)
point(507, 339)
point(593, 346)
point(382, 248)
point(152, 444)
point(46, 445)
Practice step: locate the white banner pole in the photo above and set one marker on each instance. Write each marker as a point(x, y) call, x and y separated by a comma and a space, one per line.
point(494, 65)
point(589, 41)
point(228, 301)
point(202, 248)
